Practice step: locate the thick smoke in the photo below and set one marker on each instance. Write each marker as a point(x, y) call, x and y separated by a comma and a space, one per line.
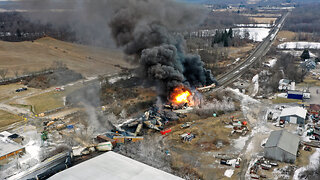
point(143, 29)
point(160, 53)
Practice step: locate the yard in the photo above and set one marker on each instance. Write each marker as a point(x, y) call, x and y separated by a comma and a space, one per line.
point(7, 119)
point(46, 101)
point(212, 136)
point(280, 100)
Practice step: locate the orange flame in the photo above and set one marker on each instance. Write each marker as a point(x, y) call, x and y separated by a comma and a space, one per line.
point(180, 95)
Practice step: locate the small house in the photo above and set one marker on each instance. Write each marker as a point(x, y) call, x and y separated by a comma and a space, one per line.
point(282, 146)
point(295, 115)
point(285, 85)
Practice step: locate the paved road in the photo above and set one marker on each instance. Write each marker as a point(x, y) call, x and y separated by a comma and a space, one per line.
point(255, 56)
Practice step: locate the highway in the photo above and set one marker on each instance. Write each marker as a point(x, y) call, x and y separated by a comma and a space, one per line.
point(255, 56)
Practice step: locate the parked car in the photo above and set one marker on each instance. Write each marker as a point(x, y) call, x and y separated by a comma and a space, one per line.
point(265, 166)
point(21, 89)
point(225, 162)
point(273, 164)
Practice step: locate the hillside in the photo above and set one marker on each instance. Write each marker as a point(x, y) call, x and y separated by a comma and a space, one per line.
point(33, 56)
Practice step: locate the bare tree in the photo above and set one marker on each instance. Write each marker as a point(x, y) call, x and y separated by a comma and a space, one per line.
point(3, 73)
point(16, 72)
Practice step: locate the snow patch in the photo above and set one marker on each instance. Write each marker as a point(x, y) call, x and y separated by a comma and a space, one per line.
point(255, 34)
point(313, 164)
point(255, 25)
point(298, 53)
point(299, 45)
point(229, 173)
point(271, 62)
point(255, 81)
point(240, 142)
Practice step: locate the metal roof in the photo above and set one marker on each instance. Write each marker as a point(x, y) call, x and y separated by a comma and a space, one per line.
point(111, 165)
point(315, 107)
point(284, 140)
point(298, 111)
point(295, 92)
point(8, 146)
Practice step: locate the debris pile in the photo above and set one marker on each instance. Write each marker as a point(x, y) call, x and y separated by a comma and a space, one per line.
point(153, 119)
point(239, 126)
point(264, 165)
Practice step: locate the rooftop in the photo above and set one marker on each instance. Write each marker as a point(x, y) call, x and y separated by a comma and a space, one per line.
point(111, 165)
point(298, 111)
point(315, 107)
point(6, 145)
point(295, 92)
point(284, 140)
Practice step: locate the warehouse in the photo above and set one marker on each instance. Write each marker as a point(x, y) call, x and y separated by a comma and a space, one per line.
point(111, 165)
point(8, 148)
point(282, 146)
point(295, 115)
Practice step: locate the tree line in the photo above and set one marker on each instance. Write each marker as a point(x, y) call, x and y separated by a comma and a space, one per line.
point(14, 27)
point(304, 18)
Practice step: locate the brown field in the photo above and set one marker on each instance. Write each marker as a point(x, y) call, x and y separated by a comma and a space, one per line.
point(263, 20)
point(286, 35)
point(9, 91)
point(209, 132)
point(46, 101)
point(33, 56)
point(279, 100)
point(262, 15)
point(309, 81)
point(240, 52)
point(8, 118)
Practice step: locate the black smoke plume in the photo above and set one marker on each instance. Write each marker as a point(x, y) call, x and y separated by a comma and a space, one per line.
point(142, 28)
point(160, 53)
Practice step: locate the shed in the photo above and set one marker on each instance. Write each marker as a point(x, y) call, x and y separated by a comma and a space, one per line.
point(282, 146)
point(111, 165)
point(295, 115)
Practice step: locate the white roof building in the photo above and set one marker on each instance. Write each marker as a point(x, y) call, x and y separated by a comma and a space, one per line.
point(8, 148)
point(298, 111)
point(111, 165)
point(295, 115)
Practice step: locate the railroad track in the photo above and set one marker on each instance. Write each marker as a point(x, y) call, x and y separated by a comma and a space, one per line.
point(255, 56)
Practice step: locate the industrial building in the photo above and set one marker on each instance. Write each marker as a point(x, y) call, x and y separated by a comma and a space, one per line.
point(111, 165)
point(8, 148)
point(282, 146)
point(295, 115)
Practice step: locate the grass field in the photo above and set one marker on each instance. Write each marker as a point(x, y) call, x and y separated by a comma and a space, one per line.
point(34, 56)
point(8, 118)
point(46, 101)
point(280, 100)
point(8, 91)
point(309, 82)
point(287, 35)
point(263, 20)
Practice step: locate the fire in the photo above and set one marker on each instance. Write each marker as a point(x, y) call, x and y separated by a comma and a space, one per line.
point(183, 97)
point(180, 95)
